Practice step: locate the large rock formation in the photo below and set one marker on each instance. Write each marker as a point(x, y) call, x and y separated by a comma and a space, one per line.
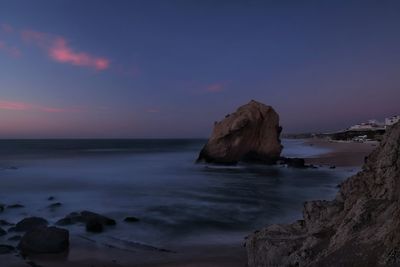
point(249, 134)
point(360, 227)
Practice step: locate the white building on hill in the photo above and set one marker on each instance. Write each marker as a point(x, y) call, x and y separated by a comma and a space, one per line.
point(370, 125)
point(392, 120)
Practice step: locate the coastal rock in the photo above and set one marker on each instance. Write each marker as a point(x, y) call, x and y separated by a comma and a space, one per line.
point(94, 226)
point(250, 134)
point(131, 219)
point(29, 224)
point(360, 227)
point(44, 240)
point(15, 238)
point(15, 206)
point(87, 215)
point(94, 222)
point(2, 232)
point(5, 223)
point(6, 249)
point(54, 205)
point(294, 162)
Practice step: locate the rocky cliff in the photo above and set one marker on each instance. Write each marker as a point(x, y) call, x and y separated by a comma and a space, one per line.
point(249, 134)
point(360, 227)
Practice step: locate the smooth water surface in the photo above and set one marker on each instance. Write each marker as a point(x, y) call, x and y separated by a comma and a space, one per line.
point(179, 203)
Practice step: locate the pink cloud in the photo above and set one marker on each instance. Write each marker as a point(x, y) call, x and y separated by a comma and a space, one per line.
point(61, 52)
point(6, 28)
point(10, 50)
point(58, 49)
point(216, 87)
point(23, 106)
point(35, 37)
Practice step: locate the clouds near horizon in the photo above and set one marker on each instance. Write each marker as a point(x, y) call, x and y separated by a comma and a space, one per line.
point(23, 106)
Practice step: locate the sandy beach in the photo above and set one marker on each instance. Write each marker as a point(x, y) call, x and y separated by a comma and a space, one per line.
point(341, 154)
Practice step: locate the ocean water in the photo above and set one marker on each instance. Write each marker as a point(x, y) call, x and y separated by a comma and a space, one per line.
point(179, 203)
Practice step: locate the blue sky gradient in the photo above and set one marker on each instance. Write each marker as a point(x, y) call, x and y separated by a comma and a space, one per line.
point(171, 68)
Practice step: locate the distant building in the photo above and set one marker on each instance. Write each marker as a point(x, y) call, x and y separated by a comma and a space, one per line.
point(392, 120)
point(370, 125)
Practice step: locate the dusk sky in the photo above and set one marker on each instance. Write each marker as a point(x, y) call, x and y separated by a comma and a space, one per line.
point(81, 69)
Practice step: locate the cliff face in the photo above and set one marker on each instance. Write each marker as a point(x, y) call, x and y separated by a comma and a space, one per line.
point(249, 134)
point(360, 227)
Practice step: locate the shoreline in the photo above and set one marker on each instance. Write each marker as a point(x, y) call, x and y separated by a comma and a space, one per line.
point(341, 154)
point(95, 254)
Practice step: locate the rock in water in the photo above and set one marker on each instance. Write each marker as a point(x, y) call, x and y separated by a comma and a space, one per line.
point(5, 249)
point(250, 134)
point(94, 226)
point(44, 240)
point(360, 227)
point(30, 223)
point(2, 232)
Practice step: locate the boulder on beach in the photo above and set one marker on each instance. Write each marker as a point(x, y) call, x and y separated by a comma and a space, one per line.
point(94, 222)
point(250, 134)
point(360, 227)
point(44, 240)
point(30, 223)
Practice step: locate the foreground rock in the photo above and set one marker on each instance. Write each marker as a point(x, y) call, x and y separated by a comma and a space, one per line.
point(94, 222)
point(360, 227)
point(44, 240)
point(30, 223)
point(250, 134)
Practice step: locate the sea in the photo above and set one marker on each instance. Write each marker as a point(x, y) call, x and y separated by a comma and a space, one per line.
point(178, 202)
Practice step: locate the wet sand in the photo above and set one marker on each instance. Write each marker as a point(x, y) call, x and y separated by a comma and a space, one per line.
point(342, 154)
point(84, 253)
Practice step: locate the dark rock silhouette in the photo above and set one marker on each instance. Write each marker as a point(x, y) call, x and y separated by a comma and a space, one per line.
point(15, 238)
point(360, 227)
point(6, 249)
point(54, 205)
point(15, 206)
point(94, 226)
point(93, 222)
point(131, 219)
point(5, 223)
point(30, 223)
point(44, 240)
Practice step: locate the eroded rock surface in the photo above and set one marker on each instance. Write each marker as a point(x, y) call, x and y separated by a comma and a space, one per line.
point(44, 240)
point(30, 223)
point(94, 222)
point(360, 227)
point(249, 134)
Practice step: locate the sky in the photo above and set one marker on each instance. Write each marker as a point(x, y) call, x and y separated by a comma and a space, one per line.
point(169, 69)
